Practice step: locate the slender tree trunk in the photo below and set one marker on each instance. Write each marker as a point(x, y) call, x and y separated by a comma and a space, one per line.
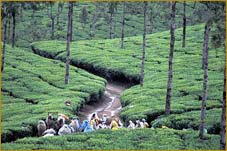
point(52, 21)
point(70, 13)
point(170, 74)
point(204, 46)
point(94, 20)
point(59, 18)
point(59, 12)
point(205, 81)
point(151, 24)
point(8, 32)
point(223, 116)
point(123, 27)
point(111, 16)
point(184, 24)
point(4, 44)
point(115, 22)
point(71, 29)
point(14, 27)
point(93, 28)
point(52, 27)
point(144, 43)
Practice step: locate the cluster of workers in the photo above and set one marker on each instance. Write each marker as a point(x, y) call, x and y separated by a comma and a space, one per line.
point(63, 125)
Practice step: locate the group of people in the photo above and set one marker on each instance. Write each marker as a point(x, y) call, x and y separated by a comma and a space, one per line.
point(64, 125)
point(139, 124)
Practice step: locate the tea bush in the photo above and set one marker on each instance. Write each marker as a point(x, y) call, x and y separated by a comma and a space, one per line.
point(33, 86)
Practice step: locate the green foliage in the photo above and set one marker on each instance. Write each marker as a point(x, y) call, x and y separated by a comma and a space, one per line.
point(191, 120)
point(29, 29)
point(121, 139)
point(34, 86)
point(106, 57)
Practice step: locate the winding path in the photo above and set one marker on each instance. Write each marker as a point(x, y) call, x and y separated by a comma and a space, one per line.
point(109, 104)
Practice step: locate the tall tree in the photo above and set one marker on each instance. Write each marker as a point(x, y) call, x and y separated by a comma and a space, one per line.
point(144, 43)
point(115, 20)
point(170, 74)
point(100, 10)
point(4, 44)
point(52, 17)
point(154, 13)
point(123, 26)
point(111, 11)
point(14, 28)
point(184, 24)
point(151, 22)
point(5, 13)
point(223, 116)
point(205, 79)
point(83, 16)
point(215, 17)
point(9, 29)
point(60, 9)
point(13, 10)
point(70, 14)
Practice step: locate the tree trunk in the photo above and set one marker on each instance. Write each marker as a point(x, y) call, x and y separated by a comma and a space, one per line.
point(59, 19)
point(115, 22)
point(14, 27)
point(170, 74)
point(71, 29)
point(184, 24)
point(205, 80)
point(94, 20)
point(52, 27)
point(4, 44)
point(151, 24)
point(144, 44)
point(94, 29)
point(223, 116)
point(70, 13)
point(52, 21)
point(111, 16)
point(59, 12)
point(8, 32)
point(123, 26)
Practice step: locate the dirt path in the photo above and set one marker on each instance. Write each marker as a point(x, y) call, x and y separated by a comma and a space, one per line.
point(109, 104)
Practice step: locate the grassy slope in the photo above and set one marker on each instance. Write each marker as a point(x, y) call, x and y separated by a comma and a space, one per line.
point(33, 86)
point(121, 139)
point(149, 101)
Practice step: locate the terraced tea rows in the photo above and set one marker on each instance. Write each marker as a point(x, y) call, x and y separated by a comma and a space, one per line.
point(121, 139)
point(33, 86)
point(107, 59)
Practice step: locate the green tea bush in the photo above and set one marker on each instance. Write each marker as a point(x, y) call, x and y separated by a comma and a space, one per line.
point(106, 58)
point(191, 120)
point(33, 86)
point(121, 139)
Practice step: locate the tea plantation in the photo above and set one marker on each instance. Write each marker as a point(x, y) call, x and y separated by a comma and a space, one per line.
point(107, 59)
point(33, 86)
point(120, 139)
point(29, 29)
